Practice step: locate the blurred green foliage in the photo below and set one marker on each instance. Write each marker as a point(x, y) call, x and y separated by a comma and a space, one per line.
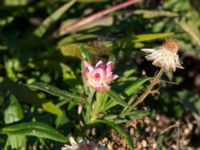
point(38, 58)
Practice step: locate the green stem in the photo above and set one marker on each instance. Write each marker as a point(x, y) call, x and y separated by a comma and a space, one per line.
point(145, 93)
point(89, 106)
point(90, 97)
point(98, 106)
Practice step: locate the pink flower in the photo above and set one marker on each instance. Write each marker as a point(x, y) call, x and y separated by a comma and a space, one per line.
point(100, 76)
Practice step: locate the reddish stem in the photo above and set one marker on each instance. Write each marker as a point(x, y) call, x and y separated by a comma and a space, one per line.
point(96, 16)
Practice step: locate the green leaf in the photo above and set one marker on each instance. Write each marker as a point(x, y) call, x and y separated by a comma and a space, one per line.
point(14, 111)
point(120, 131)
point(112, 94)
point(191, 29)
point(34, 129)
point(101, 99)
point(135, 86)
point(12, 114)
point(15, 3)
point(155, 13)
point(85, 54)
point(109, 104)
point(17, 142)
point(61, 120)
point(136, 114)
point(41, 30)
point(56, 92)
point(52, 108)
point(149, 37)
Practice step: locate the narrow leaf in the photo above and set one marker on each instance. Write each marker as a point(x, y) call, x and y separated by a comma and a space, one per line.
point(135, 86)
point(52, 108)
point(14, 111)
point(115, 96)
point(109, 104)
point(148, 37)
point(21, 92)
point(12, 114)
point(34, 129)
point(137, 114)
point(155, 13)
point(41, 30)
point(85, 54)
point(56, 91)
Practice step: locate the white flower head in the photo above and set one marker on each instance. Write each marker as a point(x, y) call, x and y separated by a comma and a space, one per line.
point(82, 145)
point(165, 57)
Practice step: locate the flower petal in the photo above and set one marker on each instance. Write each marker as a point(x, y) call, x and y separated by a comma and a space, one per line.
point(99, 63)
point(87, 66)
point(148, 50)
point(72, 141)
point(109, 67)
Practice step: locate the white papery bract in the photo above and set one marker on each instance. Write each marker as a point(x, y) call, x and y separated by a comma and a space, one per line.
point(165, 57)
point(82, 144)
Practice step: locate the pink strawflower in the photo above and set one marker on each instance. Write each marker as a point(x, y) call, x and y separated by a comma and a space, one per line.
point(100, 76)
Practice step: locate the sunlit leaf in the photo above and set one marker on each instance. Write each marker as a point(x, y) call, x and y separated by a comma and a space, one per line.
point(191, 29)
point(52, 108)
point(85, 54)
point(41, 30)
point(12, 114)
point(155, 13)
point(61, 120)
point(73, 50)
point(34, 129)
point(56, 92)
point(15, 2)
point(149, 37)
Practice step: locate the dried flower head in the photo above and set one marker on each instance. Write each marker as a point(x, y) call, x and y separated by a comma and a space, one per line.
point(82, 145)
point(165, 57)
point(100, 76)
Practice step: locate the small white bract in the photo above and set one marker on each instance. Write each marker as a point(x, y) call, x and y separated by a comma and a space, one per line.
point(166, 56)
point(82, 145)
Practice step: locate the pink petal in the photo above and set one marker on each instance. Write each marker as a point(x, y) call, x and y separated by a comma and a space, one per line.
point(114, 77)
point(88, 84)
point(106, 87)
point(87, 66)
point(85, 73)
point(98, 75)
point(109, 67)
point(99, 89)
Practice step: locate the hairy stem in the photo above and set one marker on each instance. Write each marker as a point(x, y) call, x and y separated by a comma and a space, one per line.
point(89, 106)
point(145, 93)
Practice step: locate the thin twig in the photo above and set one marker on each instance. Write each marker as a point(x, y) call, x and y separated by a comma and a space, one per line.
point(91, 18)
point(148, 91)
point(178, 137)
point(170, 127)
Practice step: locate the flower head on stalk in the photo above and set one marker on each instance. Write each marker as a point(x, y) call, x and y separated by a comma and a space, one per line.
point(82, 145)
point(166, 56)
point(100, 76)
